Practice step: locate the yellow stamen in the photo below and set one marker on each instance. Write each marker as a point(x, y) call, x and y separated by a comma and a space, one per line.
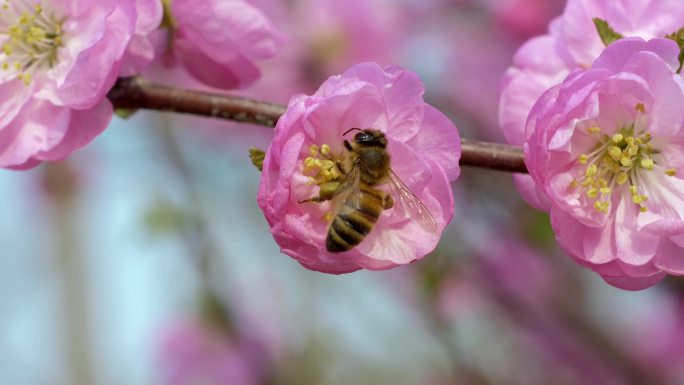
point(325, 150)
point(648, 164)
point(633, 190)
point(601, 206)
point(612, 161)
point(32, 41)
point(621, 178)
point(592, 170)
point(615, 152)
point(671, 172)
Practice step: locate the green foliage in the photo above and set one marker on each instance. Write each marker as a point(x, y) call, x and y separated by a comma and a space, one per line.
point(537, 230)
point(605, 31)
point(257, 157)
point(165, 218)
point(678, 37)
point(125, 113)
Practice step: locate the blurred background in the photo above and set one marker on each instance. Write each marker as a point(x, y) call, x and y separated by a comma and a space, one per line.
point(144, 259)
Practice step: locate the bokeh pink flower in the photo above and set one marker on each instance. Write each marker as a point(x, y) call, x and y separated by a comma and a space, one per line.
point(191, 352)
point(424, 146)
point(217, 42)
point(58, 62)
point(605, 148)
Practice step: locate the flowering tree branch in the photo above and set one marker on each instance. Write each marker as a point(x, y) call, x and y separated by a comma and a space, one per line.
point(133, 93)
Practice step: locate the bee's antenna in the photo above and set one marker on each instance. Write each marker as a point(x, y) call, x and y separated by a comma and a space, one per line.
point(350, 130)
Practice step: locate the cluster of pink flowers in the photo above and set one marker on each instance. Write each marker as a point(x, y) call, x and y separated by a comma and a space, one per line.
point(60, 58)
point(602, 130)
point(600, 124)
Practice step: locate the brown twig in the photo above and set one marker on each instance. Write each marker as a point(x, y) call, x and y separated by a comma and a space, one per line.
point(136, 93)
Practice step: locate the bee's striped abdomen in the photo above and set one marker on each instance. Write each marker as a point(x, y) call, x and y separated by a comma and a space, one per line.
point(354, 220)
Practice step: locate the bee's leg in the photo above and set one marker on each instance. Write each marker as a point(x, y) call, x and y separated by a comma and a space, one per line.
point(347, 145)
point(325, 193)
point(340, 167)
point(387, 201)
point(317, 199)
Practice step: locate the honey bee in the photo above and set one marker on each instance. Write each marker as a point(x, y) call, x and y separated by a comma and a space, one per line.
point(357, 202)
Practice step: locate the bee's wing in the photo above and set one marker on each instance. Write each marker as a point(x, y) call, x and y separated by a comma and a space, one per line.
point(349, 190)
point(409, 204)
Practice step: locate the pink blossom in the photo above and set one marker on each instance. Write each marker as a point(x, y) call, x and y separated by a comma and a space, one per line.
point(656, 330)
point(217, 42)
point(424, 146)
point(572, 43)
point(140, 51)
point(59, 59)
point(605, 148)
point(336, 34)
point(193, 353)
point(525, 18)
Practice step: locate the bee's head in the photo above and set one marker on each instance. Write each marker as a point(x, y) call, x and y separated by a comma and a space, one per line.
point(369, 137)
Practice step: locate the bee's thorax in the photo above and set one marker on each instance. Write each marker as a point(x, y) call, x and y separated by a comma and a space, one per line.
point(373, 163)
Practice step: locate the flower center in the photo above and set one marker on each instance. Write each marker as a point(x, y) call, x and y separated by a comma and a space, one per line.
point(31, 38)
point(320, 166)
point(616, 161)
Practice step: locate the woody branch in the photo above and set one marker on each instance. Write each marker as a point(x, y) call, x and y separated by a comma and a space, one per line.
point(137, 93)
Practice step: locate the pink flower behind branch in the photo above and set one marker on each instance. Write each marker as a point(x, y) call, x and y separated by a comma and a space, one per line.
point(424, 146)
point(605, 148)
point(58, 62)
point(218, 42)
point(141, 51)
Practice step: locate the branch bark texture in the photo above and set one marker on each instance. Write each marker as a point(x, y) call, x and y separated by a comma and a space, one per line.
point(136, 93)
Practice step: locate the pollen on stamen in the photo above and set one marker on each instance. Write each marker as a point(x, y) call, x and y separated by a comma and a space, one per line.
point(615, 152)
point(319, 167)
point(640, 107)
point(592, 170)
point(626, 162)
point(325, 150)
point(647, 163)
point(594, 129)
point(25, 78)
point(671, 172)
point(601, 206)
point(583, 159)
point(621, 178)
